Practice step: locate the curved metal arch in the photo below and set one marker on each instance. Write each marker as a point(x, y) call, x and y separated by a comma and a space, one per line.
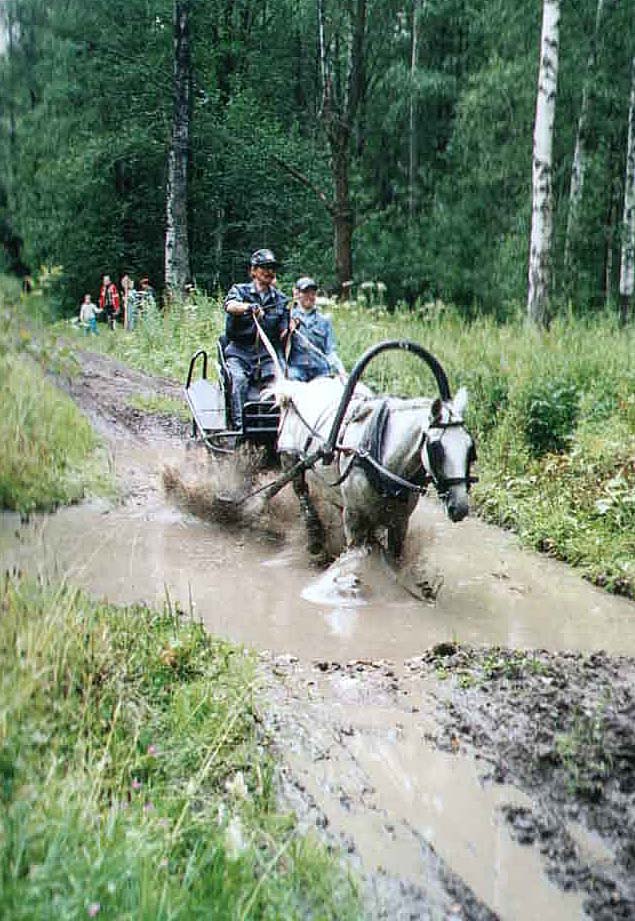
point(405, 345)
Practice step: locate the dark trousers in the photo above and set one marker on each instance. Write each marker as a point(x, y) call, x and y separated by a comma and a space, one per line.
point(243, 372)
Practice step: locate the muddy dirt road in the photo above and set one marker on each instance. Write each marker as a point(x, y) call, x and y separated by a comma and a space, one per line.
point(474, 755)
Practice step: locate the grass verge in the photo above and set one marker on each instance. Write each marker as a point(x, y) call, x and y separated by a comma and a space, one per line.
point(160, 406)
point(132, 780)
point(48, 451)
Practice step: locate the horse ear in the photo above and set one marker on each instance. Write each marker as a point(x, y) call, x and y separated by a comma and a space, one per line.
point(435, 409)
point(460, 402)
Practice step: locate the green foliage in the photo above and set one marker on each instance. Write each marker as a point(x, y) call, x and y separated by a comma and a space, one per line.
point(159, 405)
point(133, 780)
point(549, 413)
point(583, 754)
point(440, 155)
point(48, 451)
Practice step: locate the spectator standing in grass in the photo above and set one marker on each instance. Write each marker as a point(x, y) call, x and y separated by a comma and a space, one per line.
point(109, 300)
point(146, 293)
point(124, 285)
point(312, 352)
point(88, 315)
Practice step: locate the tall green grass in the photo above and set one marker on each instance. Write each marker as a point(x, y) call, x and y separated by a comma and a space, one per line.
point(133, 779)
point(48, 451)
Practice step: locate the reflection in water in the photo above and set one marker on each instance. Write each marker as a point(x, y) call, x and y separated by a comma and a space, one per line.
point(405, 803)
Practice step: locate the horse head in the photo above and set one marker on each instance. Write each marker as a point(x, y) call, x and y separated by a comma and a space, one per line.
point(448, 453)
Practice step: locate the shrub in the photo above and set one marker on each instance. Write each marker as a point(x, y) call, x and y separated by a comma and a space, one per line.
point(549, 412)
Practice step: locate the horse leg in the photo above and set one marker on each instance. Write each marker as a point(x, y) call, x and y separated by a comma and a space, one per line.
point(396, 535)
point(356, 529)
point(314, 528)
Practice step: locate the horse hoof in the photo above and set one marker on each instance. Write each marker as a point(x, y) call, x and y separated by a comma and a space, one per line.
point(348, 584)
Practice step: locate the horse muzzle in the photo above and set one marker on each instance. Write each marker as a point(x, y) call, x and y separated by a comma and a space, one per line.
point(456, 503)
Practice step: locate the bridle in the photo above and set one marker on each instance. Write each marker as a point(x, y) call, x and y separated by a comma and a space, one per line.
point(435, 453)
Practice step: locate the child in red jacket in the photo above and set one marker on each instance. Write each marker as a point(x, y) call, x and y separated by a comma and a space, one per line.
point(109, 300)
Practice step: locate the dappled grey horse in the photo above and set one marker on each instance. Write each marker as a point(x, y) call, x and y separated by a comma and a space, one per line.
point(388, 451)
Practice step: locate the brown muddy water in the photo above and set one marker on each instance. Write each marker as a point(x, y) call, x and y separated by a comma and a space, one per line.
point(265, 593)
point(363, 760)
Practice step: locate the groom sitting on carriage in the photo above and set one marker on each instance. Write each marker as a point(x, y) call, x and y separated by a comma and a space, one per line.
point(312, 346)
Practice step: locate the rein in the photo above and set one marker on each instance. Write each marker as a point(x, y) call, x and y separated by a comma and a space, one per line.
point(441, 483)
point(268, 346)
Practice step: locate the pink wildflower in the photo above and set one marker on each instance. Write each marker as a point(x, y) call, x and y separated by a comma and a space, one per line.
point(93, 909)
point(136, 784)
point(152, 751)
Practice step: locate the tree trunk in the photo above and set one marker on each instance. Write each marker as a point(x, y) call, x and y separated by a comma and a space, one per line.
point(609, 236)
point(542, 186)
point(412, 160)
point(343, 221)
point(627, 264)
point(343, 77)
point(578, 167)
point(177, 252)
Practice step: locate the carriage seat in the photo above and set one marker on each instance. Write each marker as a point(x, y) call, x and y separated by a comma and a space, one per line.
point(254, 406)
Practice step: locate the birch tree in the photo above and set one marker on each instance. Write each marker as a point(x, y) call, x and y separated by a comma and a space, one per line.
point(177, 253)
point(627, 266)
point(542, 167)
point(578, 167)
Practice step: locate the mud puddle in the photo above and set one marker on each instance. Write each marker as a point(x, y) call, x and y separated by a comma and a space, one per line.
point(367, 752)
point(421, 824)
point(262, 590)
point(455, 793)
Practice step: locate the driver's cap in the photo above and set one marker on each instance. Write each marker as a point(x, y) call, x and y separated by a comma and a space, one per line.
point(263, 257)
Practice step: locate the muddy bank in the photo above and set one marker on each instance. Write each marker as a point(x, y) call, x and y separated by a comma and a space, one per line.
point(466, 782)
point(464, 776)
point(561, 727)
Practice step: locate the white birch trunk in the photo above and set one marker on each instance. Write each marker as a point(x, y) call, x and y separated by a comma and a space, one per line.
point(627, 265)
point(542, 191)
point(177, 251)
point(578, 167)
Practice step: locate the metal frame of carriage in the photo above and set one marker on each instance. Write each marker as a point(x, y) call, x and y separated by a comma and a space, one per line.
point(210, 406)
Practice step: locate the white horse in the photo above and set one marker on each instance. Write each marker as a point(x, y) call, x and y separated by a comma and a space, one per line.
point(387, 451)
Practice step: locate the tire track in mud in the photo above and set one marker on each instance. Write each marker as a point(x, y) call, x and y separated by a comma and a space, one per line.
point(466, 782)
point(453, 793)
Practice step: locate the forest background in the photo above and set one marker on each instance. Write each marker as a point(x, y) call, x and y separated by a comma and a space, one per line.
point(404, 126)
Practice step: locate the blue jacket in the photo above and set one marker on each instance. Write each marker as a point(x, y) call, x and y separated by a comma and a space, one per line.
point(318, 330)
point(241, 331)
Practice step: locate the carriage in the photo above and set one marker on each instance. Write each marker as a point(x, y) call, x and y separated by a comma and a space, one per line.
point(381, 452)
point(210, 405)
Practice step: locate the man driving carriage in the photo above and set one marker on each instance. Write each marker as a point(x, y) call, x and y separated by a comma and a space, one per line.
point(248, 306)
